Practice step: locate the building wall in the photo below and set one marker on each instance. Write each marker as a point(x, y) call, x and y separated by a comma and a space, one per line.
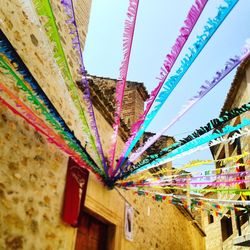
point(238, 95)
point(33, 171)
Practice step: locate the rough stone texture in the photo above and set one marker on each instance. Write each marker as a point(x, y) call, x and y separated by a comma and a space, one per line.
point(33, 171)
point(162, 226)
point(237, 96)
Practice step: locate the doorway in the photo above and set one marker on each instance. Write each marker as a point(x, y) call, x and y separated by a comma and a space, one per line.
point(91, 234)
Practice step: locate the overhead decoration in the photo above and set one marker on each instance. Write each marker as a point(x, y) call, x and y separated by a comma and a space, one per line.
point(204, 89)
point(26, 113)
point(213, 206)
point(186, 183)
point(190, 189)
point(187, 189)
point(32, 98)
point(7, 50)
point(128, 36)
point(181, 172)
point(192, 139)
point(44, 9)
point(187, 61)
point(193, 144)
point(170, 59)
point(69, 8)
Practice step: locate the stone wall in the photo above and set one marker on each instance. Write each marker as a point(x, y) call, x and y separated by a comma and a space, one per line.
point(238, 95)
point(33, 171)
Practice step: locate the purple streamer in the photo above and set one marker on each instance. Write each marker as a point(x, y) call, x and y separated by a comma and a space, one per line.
point(69, 9)
point(204, 89)
point(190, 21)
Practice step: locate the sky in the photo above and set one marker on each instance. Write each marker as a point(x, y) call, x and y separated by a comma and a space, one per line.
point(157, 27)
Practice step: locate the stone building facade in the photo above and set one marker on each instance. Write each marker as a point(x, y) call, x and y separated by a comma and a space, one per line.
point(33, 172)
point(231, 232)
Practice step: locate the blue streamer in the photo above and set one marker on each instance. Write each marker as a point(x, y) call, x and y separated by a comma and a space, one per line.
point(169, 85)
point(196, 143)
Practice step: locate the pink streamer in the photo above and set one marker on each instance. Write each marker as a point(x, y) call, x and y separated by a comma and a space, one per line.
point(204, 89)
point(121, 83)
point(186, 184)
point(191, 19)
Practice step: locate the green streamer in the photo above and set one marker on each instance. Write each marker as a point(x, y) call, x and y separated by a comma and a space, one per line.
point(48, 117)
point(43, 8)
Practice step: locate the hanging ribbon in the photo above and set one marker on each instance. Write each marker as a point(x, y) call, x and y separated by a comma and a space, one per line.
point(169, 85)
point(128, 35)
point(169, 173)
point(69, 9)
point(10, 53)
point(27, 114)
point(204, 89)
point(215, 123)
point(196, 190)
point(219, 207)
point(210, 206)
point(186, 183)
point(44, 9)
point(170, 59)
point(38, 106)
point(195, 143)
point(239, 133)
point(190, 147)
point(172, 179)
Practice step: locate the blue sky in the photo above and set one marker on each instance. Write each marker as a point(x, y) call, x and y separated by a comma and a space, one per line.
point(157, 27)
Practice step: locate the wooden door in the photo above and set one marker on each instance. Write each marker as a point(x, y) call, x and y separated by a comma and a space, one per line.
point(91, 234)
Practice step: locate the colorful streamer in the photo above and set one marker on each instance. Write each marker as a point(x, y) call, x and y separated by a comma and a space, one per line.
point(69, 8)
point(215, 123)
point(168, 87)
point(27, 114)
point(186, 183)
point(211, 205)
point(44, 9)
point(204, 89)
point(38, 106)
point(194, 190)
point(128, 36)
point(183, 178)
point(173, 173)
point(196, 143)
point(189, 23)
point(8, 51)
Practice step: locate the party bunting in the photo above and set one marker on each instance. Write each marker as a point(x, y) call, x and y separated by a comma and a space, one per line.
point(215, 123)
point(186, 183)
point(44, 9)
point(196, 143)
point(7, 50)
point(48, 117)
point(128, 36)
point(210, 205)
point(170, 59)
point(157, 179)
point(84, 85)
point(191, 189)
point(52, 137)
point(204, 89)
point(173, 173)
point(169, 85)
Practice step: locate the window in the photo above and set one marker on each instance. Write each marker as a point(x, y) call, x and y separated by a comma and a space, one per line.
point(226, 226)
point(222, 155)
point(210, 218)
